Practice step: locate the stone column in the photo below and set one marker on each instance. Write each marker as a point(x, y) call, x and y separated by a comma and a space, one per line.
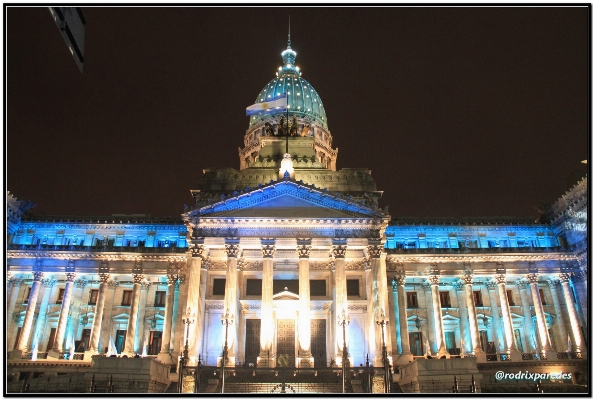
point(542, 327)
point(166, 342)
point(530, 345)
point(30, 313)
point(137, 275)
point(572, 313)
point(58, 345)
point(438, 315)
point(464, 330)
point(509, 334)
point(198, 255)
point(99, 308)
point(339, 253)
point(380, 305)
point(40, 324)
point(429, 339)
point(304, 251)
point(396, 327)
point(231, 301)
point(403, 315)
point(15, 287)
point(468, 279)
point(266, 335)
point(562, 345)
point(370, 331)
point(497, 335)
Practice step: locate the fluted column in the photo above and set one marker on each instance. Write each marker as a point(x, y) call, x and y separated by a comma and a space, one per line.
point(304, 251)
point(562, 344)
point(464, 331)
point(400, 280)
point(99, 308)
point(437, 315)
point(267, 306)
point(192, 276)
point(540, 316)
point(40, 324)
point(15, 287)
point(30, 313)
point(339, 254)
point(64, 310)
point(497, 335)
point(572, 312)
point(230, 301)
point(506, 313)
point(530, 346)
point(166, 342)
point(133, 319)
point(468, 279)
point(394, 299)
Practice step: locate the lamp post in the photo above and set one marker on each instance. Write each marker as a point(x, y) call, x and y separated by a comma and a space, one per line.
point(382, 322)
point(188, 320)
point(226, 321)
point(343, 321)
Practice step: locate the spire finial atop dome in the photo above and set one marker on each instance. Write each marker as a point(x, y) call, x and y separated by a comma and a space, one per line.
point(288, 32)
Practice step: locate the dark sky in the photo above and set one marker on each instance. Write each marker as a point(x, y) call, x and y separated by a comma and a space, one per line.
point(457, 111)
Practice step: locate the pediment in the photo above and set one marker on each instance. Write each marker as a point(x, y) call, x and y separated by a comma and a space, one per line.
point(289, 199)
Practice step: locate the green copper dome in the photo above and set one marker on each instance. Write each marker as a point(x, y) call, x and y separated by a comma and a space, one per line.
point(303, 100)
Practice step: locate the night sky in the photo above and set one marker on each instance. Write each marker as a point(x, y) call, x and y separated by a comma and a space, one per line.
point(457, 111)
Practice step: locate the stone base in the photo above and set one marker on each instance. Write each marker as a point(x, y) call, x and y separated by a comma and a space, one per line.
point(305, 362)
point(54, 354)
point(402, 360)
point(147, 374)
point(166, 358)
point(262, 361)
point(420, 375)
point(88, 354)
point(16, 354)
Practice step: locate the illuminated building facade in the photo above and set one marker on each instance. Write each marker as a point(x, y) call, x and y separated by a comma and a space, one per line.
point(289, 247)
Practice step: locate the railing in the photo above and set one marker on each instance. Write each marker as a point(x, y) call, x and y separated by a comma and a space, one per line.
point(569, 355)
point(473, 250)
point(101, 248)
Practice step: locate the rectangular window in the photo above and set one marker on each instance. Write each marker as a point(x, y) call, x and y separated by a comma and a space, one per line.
point(154, 344)
point(510, 298)
point(254, 287)
point(120, 340)
point(353, 287)
point(60, 295)
point(317, 287)
point(126, 299)
point(416, 344)
point(541, 295)
point(445, 299)
point(412, 299)
point(518, 340)
point(159, 298)
point(27, 294)
point(286, 285)
point(484, 340)
point(450, 342)
point(18, 337)
point(85, 340)
point(218, 286)
point(93, 294)
point(52, 338)
point(478, 299)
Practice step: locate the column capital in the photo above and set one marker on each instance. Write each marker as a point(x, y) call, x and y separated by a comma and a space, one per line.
point(339, 251)
point(104, 277)
point(500, 278)
point(425, 285)
point(80, 283)
point(399, 279)
point(375, 251)
point(48, 282)
point(554, 283)
point(434, 280)
point(268, 251)
point(37, 276)
point(112, 284)
point(521, 284)
point(197, 251)
point(232, 250)
point(304, 251)
point(564, 277)
point(15, 281)
point(145, 284)
point(138, 278)
point(467, 279)
point(491, 285)
point(532, 278)
point(459, 285)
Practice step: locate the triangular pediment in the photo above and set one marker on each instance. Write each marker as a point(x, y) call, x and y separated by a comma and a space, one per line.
point(290, 199)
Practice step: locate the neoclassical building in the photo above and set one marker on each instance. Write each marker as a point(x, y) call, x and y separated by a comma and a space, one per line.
point(288, 247)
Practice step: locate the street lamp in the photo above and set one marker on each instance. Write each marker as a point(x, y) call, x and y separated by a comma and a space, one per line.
point(226, 321)
point(343, 321)
point(382, 322)
point(188, 320)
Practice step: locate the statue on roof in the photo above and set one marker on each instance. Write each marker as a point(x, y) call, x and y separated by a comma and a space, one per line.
point(269, 129)
point(294, 126)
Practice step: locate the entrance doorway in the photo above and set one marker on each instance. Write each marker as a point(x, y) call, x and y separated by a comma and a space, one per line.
point(154, 345)
point(285, 344)
point(120, 340)
point(252, 344)
point(318, 339)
